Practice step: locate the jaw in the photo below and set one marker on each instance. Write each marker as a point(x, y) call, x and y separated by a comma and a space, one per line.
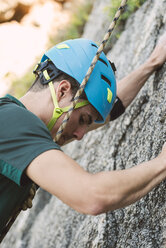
point(64, 139)
point(61, 141)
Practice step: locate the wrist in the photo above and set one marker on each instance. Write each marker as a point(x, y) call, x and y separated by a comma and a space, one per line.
point(160, 163)
point(151, 65)
point(154, 62)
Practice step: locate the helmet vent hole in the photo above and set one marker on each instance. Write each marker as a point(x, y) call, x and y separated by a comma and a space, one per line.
point(112, 66)
point(102, 60)
point(94, 45)
point(106, 80)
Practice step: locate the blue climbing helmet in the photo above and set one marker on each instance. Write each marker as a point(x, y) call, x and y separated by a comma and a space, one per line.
point(74, 57)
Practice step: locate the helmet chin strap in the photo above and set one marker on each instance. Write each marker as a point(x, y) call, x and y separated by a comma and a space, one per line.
point(57, 112)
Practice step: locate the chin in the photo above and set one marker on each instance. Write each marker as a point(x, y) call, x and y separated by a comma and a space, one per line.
point(61, 141)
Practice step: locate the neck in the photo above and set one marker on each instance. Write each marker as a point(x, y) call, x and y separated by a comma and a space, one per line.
point(39, 103)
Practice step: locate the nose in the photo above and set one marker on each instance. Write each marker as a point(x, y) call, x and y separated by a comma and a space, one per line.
point(79, 133)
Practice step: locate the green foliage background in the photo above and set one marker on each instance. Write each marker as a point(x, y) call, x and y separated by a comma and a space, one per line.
point(132, 6)
point(76, 26)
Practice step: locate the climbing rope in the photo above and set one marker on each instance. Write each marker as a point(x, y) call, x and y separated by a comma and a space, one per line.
point(28, 202)
point(87, 76)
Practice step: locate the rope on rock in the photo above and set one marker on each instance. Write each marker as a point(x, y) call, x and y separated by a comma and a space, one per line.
point(28, 202)
point(87, 76)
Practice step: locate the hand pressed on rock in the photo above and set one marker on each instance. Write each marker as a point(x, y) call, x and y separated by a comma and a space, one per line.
point(158, 56)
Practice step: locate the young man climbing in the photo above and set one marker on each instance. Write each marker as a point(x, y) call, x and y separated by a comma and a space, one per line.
point(29, 125)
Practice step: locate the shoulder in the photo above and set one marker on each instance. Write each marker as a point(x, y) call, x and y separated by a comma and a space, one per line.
point(23, 137)
point(21, 126)
point(16, 118)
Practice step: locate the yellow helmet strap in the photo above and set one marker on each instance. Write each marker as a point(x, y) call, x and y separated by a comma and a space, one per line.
point(57, 112)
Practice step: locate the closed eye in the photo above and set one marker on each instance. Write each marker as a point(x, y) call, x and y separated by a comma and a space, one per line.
point(81, 120)
point(89, 120)
point(85, 120)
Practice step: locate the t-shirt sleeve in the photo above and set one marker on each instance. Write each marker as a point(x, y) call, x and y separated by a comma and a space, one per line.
point(23, 137)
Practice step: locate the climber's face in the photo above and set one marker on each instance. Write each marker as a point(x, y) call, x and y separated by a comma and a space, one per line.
point(80, 118)
point(78, 124)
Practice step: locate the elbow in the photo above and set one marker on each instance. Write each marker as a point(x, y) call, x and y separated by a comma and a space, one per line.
point(103, 202)
point(89, 204)
point(95, 209)
point(99, 203)
point(97, 199)
point(99, 206)
point(103, 206)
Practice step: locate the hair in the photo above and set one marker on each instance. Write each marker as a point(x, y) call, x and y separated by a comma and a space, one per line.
point(38, 86)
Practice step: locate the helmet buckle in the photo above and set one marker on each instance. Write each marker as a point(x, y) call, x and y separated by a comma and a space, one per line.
point(58, 112)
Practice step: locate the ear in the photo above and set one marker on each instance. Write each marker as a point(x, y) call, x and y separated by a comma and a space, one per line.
point(63, 89)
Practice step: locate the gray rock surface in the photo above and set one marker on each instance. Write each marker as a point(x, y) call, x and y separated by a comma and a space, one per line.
point(136, 136)
point(98, 21)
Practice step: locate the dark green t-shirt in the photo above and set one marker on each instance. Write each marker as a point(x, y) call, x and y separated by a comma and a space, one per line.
point(23, 136)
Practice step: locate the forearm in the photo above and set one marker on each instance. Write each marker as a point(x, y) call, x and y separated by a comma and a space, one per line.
point(129, 86)
point(118, 189)
point(127, 89)
point(95, 193)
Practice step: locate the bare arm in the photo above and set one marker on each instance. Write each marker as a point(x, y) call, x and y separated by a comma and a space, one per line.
point(95, 193)
point(129, 86)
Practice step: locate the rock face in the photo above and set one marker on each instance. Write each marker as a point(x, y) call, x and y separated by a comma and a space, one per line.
point(136, 136)
point(98, 22)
